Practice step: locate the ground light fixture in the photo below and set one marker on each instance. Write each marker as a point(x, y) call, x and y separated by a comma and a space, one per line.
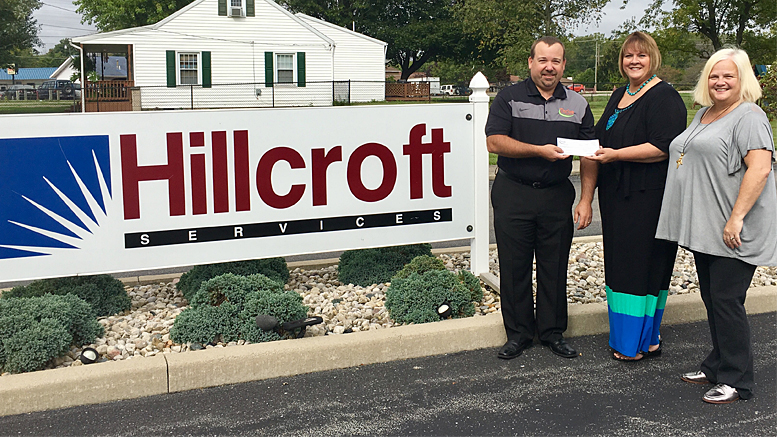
point(444, 310)
point(89, 355)
point(267, 323)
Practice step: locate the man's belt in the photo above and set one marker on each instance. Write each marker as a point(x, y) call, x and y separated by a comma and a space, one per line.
point(533, 184)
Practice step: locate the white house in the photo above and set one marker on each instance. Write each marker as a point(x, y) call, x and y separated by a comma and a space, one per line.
point(244, 53)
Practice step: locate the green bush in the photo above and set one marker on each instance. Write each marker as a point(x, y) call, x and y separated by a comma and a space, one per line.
point(35, 330)
point(225, 309)
point(207, 324)
point(273, 268)
point(472, 283)
point(416, 298)
point(375, 266)
point(420, 264)
point(232, 288)
point(31, 348)
point(104, 293)
point(769, 89)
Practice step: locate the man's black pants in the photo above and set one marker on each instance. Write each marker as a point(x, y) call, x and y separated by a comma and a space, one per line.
point(533, 222)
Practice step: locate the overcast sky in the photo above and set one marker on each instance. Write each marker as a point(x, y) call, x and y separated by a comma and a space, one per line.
point(59, 20)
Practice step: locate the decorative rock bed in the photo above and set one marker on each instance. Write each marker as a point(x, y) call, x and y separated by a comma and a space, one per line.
point(145, 329)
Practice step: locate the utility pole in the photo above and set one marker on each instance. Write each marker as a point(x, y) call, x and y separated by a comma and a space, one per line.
point(596, 65)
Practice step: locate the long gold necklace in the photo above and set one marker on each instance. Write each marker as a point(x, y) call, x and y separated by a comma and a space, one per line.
point(694, 134)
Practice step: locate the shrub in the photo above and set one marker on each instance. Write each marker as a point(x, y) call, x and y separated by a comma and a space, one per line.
point(225, 309)
point(31, 348)
point(416, 298)
point(273, 268)
point(37, 329)
point(769, 89)
point(420, 264)
point(472, 283)
point(207, 324)
point(232, 288)
point(375, 266)
point(104, 293)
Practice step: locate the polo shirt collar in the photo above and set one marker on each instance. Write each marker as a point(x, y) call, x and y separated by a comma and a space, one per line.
point(558, 93)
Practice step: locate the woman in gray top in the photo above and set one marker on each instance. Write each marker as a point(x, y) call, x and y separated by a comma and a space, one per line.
point(721, 204)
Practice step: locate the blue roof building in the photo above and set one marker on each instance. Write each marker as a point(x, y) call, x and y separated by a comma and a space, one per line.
point(27, 76)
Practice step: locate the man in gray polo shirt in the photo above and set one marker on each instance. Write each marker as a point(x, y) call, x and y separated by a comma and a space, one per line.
point(532, 197)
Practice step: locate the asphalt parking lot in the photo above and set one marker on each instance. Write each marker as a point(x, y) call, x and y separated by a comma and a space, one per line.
point(467, 393)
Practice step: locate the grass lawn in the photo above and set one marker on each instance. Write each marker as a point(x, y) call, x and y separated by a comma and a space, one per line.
point(35, 106)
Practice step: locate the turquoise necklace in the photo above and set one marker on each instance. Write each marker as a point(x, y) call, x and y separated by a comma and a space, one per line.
point(640, 87)
point(614, 116)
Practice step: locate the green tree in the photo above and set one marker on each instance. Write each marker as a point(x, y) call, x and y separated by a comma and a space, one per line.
point(57, 54)
point(18, 30)
point(417, 31)
point(509, 27)
point(742, 23)
point(109, 15)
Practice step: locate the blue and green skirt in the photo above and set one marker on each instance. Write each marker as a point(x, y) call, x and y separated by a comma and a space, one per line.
point(634, 320)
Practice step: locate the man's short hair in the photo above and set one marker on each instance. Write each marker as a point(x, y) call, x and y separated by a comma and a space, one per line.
point(549, 40)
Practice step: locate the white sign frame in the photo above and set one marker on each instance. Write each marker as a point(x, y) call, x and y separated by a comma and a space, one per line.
point(384, 175)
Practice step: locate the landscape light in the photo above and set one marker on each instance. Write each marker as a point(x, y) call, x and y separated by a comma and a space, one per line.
point(444, 310)
point(89, 355)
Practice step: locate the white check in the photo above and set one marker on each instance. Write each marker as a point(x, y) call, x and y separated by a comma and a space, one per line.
point(578, 147)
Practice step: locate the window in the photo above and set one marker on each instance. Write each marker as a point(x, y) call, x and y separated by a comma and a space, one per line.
point(235, 8)
point(187, 67)
point(285, 71)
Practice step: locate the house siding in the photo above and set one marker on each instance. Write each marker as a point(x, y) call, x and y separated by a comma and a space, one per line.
point(357, 59)
point(237, 47)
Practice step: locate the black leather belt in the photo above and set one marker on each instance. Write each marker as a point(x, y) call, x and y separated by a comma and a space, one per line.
point(533, 184)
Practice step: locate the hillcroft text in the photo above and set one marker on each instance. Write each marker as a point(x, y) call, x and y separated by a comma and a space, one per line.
point(320, 160)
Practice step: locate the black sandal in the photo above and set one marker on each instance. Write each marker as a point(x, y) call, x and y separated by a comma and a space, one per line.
point(627, 360)
point(652, 354)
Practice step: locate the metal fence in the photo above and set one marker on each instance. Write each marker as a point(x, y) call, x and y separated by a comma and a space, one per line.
point(256, 95)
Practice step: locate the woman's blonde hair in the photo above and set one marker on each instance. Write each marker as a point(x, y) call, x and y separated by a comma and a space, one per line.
point(749, 88)
point(644, 43)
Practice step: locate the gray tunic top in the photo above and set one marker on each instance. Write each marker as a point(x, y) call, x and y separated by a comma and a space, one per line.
point(701, 193)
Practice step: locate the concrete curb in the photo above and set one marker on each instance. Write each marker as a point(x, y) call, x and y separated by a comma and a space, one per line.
point(169, 373)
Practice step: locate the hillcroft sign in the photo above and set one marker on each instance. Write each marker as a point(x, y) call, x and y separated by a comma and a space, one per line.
point(110, 192)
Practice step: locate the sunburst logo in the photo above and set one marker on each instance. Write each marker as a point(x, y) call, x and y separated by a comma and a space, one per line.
point(54, 195)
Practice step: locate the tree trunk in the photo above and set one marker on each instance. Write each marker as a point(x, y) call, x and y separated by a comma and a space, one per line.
point(408, 69)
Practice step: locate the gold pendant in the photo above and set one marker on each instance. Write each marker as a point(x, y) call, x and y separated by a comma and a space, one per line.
point(680, 160)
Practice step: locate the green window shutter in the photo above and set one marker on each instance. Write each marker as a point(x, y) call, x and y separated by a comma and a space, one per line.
point(171, 68)
point(206, 82)
point(268, 69)
point(300, 68)
point(250, 8)
point(223, 8)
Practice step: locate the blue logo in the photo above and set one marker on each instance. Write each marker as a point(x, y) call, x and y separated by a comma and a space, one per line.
point(53, 193)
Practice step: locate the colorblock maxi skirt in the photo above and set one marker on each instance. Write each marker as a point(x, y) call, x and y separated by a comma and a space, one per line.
point(637, 267)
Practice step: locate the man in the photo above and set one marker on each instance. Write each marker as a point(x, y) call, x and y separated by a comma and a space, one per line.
point(532, 197)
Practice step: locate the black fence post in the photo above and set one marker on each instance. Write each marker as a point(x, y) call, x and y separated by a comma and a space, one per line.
point(349, 91)
point(191, 96)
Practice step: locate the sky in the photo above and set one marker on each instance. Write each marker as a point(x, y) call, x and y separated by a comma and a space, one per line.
point(59, 20)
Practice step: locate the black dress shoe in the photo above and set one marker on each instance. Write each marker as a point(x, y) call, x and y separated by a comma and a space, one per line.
point(561, 348)
point(513, 349)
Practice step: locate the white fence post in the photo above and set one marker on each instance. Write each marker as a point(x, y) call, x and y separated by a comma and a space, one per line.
point(479, 242)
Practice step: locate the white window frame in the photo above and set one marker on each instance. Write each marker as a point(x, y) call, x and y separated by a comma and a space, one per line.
point(293, 82)
point(231, 4)
point(178, 67)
